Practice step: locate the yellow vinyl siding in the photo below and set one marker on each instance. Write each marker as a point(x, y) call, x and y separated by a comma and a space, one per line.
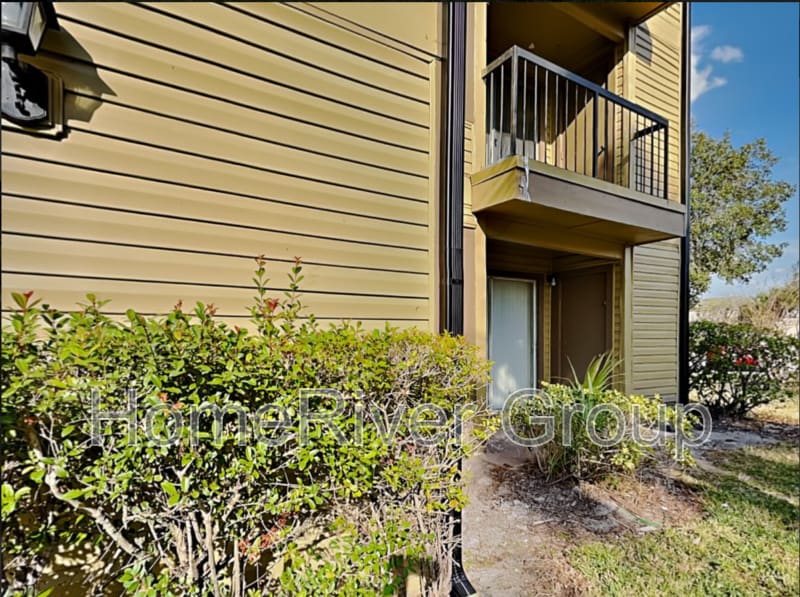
point(469, 168)
point(656, 78)
point(654, 81)
point(654, 319)
point(201, 135)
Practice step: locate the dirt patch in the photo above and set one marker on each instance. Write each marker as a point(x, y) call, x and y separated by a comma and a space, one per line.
point(519, 526)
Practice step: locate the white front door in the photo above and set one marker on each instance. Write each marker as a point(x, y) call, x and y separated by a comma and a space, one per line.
point(512, 337)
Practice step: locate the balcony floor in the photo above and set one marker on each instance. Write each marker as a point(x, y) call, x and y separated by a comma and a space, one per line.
point(559, 209)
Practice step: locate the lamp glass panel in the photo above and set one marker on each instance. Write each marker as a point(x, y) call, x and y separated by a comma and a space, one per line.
point(37, 26)
point(14, 15)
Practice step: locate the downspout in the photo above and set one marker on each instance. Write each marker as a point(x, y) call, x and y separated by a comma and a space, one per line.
point(452, 170)
point(452, 218)
point(686, 142)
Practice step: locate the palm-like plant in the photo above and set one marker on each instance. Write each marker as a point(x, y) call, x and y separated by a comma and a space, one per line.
point(600, 374)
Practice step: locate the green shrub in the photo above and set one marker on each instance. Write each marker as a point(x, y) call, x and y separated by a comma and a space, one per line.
point(735, 367)
point(216, 512)
point(594, 430)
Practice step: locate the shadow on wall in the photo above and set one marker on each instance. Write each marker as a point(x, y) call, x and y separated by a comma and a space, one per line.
point(63, 56)
point(644, 44)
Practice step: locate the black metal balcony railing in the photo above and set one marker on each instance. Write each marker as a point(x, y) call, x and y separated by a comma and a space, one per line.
point(541, 111)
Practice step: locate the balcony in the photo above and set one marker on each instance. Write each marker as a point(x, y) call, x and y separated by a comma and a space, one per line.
point(564, 151)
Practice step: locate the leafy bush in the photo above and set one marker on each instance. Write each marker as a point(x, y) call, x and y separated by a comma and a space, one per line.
point(595, 430)
point(735, 367)
point(223, 510)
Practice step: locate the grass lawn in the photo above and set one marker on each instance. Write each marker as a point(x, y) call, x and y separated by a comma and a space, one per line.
point(745, 543)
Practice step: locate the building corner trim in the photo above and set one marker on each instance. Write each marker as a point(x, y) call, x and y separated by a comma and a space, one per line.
point(686, 142)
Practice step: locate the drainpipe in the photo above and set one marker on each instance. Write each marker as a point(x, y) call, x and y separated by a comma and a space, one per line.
point(452, 218)
point(683, 322)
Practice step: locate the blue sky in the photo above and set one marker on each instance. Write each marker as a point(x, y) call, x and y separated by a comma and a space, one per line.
point(745, 78)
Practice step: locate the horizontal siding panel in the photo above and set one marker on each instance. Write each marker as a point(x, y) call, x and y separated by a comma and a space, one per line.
point(653, 333)
point(198, 41)
point(153, 297)
point(658, 263)
point(130, 159)
point(643, 310)
point(657, 274)
point(647, 343)
point(296, 47)
point(171, 134)
point(245, 119)
point(653, 363)
point(666, 298)
point(668, 57)
point(137, 230)
point(654, 349)
point(412, 26)
point(657, 79)
point(643, 351)
point(93, 260)
point(160, 199)
point(199, 135)
point(292, 17)
point(662, 318)
point(107, 51)
point(660, 283)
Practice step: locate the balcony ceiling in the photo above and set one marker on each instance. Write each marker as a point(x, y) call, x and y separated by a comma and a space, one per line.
point(575, 35)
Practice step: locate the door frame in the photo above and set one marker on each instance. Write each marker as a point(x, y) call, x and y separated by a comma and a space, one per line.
point(556, 366)
point(536, 347)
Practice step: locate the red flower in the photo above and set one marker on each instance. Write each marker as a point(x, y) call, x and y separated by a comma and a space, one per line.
point(746, 359)
point(29, 294)
point(272, 304)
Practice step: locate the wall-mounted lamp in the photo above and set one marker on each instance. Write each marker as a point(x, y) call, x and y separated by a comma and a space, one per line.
point(552, 280)
point(26, 89)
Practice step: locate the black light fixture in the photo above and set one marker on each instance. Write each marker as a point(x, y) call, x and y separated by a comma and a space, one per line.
point(26, 89)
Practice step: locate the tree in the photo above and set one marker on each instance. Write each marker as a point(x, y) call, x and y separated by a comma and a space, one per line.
point(735, 206)
point(770, 308)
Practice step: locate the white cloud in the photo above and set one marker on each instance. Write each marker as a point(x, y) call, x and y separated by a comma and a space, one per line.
point(702, 80)
point(703, 77)
point(726, 54)
point(699, 32)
